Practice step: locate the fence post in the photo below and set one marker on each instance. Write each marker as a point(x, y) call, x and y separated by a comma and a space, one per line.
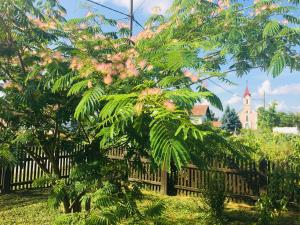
point(6, 188)
point(164, 182)
point(263, 176)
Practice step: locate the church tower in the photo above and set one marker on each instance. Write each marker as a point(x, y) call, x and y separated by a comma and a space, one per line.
point(248, 117)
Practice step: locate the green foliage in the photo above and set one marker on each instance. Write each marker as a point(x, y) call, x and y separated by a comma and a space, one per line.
point(230, 121)
point(267, 118)
point(215, 198)
point(274, 147)
point(281, 185)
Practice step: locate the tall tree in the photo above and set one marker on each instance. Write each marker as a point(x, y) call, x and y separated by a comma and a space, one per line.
point(268, 118)
point(231, 121)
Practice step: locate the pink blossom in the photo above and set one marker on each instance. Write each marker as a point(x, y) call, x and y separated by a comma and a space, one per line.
point(187, 73)
point(116, 58)
point(122, 25)
point(82, 26)
point(149, 68)
point(162, 27)
point(120, 66)
point(146, 34)
point(52, 25)
point(74, 63)
point(156, 10)
point(142, 64)
point(273, 6)
point(57, 55)
point(138, 108)
point(103, 67)
point(285, 22)
point(133, 72)
point(194, 78)
point(7, 84)
point(170, 106)
point(151, 91)
point(107, 79)
point(123, 76)
point(264, 7)
point(90, 84)
point(89, 14)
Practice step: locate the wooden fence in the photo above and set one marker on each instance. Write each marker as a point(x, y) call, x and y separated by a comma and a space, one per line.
point(243, 179)
point(22, 175)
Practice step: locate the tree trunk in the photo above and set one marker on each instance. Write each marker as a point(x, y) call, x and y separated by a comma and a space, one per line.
point(66, 203)
point(76, 206)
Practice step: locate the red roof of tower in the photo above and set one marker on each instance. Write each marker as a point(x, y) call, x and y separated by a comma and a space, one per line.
point(247, 92)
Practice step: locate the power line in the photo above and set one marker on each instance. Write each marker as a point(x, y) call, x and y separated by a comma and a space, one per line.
point(231, 92)
point(139, 6)
point(106, 7)
point(131, 16)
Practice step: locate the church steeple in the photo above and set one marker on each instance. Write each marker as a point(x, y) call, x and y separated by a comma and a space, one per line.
point(247, 92)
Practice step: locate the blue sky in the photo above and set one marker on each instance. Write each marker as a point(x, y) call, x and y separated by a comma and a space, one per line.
point(285, 89)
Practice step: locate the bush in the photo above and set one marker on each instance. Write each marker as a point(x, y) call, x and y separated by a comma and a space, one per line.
point(215, 197)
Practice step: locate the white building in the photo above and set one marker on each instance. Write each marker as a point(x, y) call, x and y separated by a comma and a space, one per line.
point(286, 130)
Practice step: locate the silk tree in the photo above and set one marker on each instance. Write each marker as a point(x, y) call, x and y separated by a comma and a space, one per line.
point(141, 90)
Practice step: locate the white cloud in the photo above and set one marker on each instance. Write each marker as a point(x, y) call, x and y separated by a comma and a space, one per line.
point(234, 100)
point(147, 6)
point(287, 89)
point(282, 106)
point(266, 87)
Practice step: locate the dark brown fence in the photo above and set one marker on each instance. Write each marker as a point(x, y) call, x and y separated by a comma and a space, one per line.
point(243, 179)
point(22, 175)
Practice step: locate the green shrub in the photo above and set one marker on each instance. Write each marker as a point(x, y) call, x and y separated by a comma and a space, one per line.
point(215, 197)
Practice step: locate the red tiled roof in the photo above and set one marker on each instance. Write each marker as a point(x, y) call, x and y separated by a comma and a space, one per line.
point(216, 124)
point(199, 110)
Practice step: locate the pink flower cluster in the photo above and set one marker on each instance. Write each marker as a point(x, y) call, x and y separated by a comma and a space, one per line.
point(193, 78)
point(122, 25)
point(10, 84)
point(223, 4)
point(146, 34)
point(263, 7)
point(138, 108)
point(42, 25)
point(151, 91)
point(156, 10)
point(169, 105)
point(76, 64)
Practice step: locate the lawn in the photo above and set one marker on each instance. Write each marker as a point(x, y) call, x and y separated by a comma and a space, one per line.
point(30, 208)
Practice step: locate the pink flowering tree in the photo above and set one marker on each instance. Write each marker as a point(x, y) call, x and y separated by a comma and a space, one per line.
point(72, 81)
point(151, 81)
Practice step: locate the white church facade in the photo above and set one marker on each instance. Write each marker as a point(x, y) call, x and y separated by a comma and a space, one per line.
point(248, 116)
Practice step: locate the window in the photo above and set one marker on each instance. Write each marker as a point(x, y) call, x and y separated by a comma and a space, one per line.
point(247, 101)
point(247, 118)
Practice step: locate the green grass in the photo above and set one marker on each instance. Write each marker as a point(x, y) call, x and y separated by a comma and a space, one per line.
point(30, 208)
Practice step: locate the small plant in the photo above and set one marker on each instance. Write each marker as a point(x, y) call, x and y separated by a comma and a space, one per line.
point(215, 198)
point(274, 202)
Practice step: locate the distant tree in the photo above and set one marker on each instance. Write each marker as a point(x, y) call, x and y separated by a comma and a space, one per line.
point(287, 119)
point(268, 118)
point(230, 121)
point(213, 116)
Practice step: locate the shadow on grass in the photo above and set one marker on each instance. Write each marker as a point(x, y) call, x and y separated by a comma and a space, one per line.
point(22, 198)
point(236, 217)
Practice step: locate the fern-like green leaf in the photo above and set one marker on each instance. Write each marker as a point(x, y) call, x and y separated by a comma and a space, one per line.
point(89, 102)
